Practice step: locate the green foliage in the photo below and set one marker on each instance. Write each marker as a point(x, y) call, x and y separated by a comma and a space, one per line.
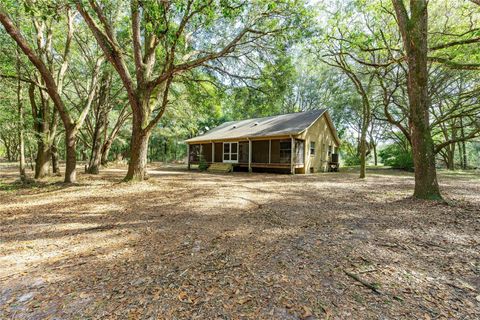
point(396, 156)
point(351, 159)
point(202, 164)
point(349, 153)
point(267, 94)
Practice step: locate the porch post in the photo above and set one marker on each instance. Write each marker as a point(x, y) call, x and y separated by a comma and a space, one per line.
point(269, 151)
point(213, 152)
point(292, 155)
point(249, 155)
point(188, 156)
point(305, 156)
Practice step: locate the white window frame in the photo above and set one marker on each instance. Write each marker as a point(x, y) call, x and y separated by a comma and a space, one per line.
point(314, 148)
point(229, 160)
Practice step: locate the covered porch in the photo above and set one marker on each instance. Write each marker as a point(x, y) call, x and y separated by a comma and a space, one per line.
point(277, 153)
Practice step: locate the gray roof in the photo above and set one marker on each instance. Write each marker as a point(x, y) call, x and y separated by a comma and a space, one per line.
point(285, 124)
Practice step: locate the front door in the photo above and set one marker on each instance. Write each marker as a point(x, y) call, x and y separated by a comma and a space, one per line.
point(230, 152)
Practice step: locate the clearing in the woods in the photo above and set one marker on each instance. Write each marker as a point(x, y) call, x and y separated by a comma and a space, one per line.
point(190, 245)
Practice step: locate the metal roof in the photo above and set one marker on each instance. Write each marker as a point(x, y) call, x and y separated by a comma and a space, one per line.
point(285, 124)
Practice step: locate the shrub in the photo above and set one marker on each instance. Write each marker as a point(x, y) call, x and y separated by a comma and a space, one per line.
point(350, 159)
point(396, 157)
point(202, 165)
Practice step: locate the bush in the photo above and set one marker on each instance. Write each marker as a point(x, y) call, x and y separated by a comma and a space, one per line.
point(202, 164)
point(396, 157)
point(351, 159)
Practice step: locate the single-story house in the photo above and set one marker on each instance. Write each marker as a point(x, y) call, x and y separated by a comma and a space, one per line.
point(301, 142)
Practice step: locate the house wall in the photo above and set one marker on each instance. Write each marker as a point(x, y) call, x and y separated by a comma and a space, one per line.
point(320, 133)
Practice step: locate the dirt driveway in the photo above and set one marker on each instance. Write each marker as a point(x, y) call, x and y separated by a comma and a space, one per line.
point(190, 245)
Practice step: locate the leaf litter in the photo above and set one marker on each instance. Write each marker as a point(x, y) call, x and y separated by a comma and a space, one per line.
point(190, 245)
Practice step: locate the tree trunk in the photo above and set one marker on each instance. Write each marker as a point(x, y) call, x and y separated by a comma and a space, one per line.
point(42, 161)
point(101, 111)
point(84, 153)
point(363, 137)
point(463, 157)
point(31, 158)
point(41, 126)
point(106, 151)
point(426, 185)
point(137, 167)
point(21, 138)
point(55, 166)
point(21, 121)
point(9, 154)
point(96, 152)
point(451, 157)
point(414, 30)
point(96, 156)
point(363, 154)
point(71, 151)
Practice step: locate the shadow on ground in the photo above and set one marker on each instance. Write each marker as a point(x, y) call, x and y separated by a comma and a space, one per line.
point(261, 246)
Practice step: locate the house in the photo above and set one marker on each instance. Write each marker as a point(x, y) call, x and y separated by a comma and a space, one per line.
point(301, 142)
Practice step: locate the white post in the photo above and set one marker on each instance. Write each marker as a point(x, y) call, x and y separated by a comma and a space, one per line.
point(292, 156)
point(249, 155)
point(305, 154)
point(188, 156)
point(269, 151)
point(213, 152)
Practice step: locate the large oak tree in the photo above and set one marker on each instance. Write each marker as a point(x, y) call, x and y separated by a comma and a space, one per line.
point(169, 38)
point(413, 26)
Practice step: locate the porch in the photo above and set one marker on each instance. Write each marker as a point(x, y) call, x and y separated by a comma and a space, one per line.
point(286, 154)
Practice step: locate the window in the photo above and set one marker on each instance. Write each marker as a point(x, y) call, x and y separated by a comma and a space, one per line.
point(226, 151)
point(230, 152)
point(329, 150)
point(312, 148)
point(285, 151)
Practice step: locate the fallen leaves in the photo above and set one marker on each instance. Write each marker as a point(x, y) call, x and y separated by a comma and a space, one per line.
point(183, 297)
point(188, 245)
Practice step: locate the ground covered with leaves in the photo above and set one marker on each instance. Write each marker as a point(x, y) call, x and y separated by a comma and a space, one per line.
point(191, 245)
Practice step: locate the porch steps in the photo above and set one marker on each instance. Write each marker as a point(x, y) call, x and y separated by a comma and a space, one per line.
point(220, 167)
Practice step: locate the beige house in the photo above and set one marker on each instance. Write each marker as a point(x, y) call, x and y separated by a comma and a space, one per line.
point(302, 142)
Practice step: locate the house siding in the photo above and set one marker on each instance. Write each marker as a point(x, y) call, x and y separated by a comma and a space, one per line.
point(320, 133)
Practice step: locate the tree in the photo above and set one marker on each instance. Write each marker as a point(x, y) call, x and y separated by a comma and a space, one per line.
point(362, 88)
point(53, 85)
point(414, 31)
point(162, 47)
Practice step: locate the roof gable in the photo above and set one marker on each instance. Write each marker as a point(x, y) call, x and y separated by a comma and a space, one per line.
point(285, 124)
